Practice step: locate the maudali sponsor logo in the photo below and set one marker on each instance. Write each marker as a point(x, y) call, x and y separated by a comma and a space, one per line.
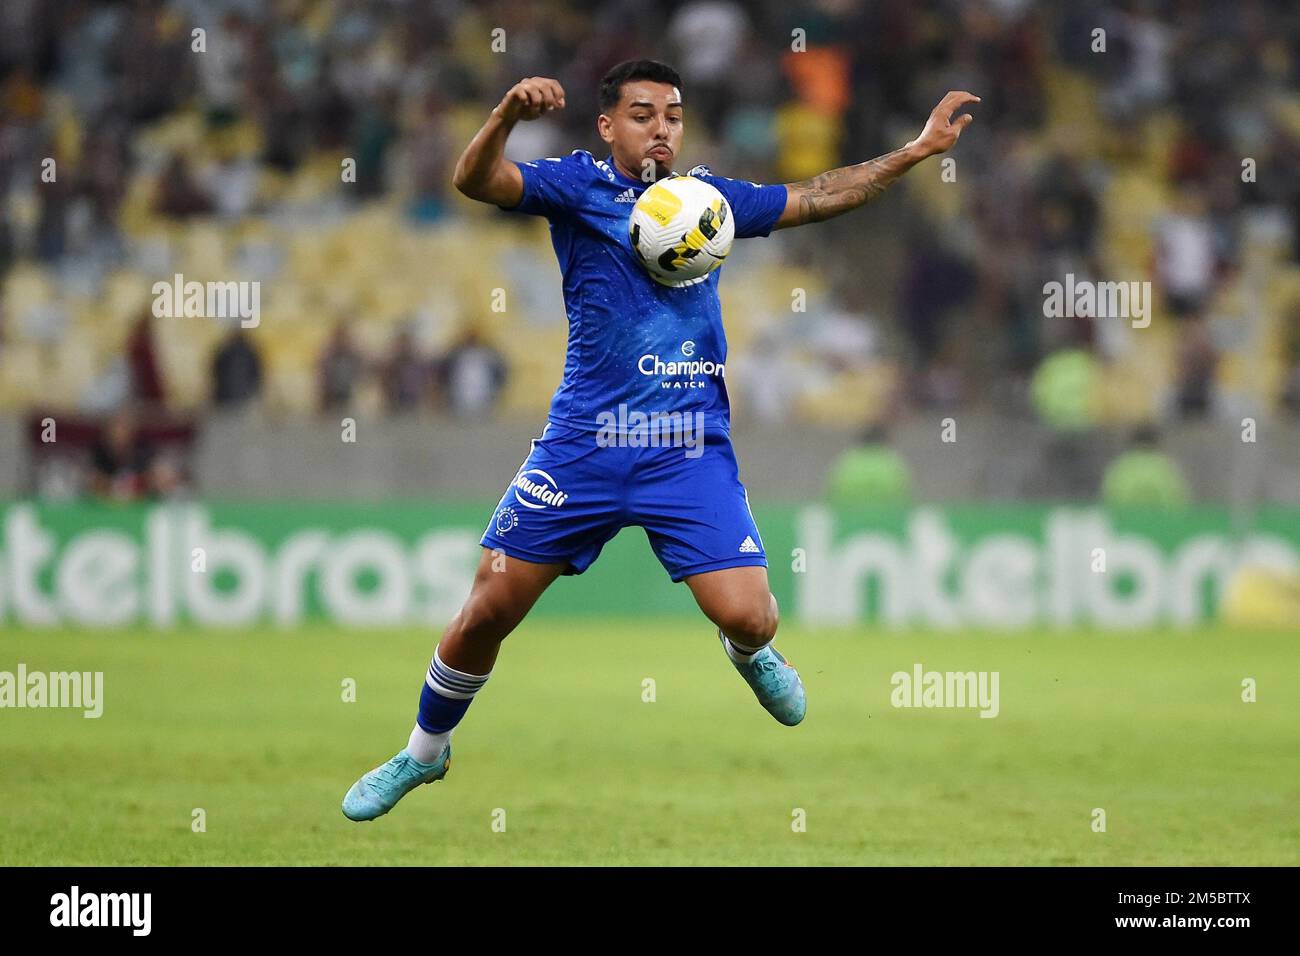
point(539, 490)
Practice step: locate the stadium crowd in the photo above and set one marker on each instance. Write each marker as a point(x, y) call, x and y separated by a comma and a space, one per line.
point(309, 144)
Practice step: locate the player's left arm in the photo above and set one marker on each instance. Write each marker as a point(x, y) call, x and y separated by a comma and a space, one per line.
point(839, 190)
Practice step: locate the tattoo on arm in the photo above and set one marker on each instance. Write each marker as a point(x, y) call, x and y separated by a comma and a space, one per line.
point(840, 190)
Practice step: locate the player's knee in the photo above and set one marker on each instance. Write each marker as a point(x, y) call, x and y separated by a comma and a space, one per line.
point(752, 623)
point(484, 621)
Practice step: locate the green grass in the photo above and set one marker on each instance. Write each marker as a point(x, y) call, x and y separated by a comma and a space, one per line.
point(251, 728)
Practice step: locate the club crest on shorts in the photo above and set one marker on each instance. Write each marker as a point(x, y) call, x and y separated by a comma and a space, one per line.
point(534, 488)
point(506, 519)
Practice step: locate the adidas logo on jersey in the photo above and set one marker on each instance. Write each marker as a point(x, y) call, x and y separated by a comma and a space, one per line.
point(748, 546)
point(627, 195)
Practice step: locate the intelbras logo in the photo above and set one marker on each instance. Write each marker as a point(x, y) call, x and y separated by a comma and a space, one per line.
point(650, 364)
point(539, 490)
point(75, 908)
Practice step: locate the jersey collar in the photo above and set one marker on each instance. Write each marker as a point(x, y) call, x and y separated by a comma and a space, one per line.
point(618, 173)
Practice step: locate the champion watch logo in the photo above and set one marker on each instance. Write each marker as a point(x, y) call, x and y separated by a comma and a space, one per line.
point(627, 195)
point(748, 546)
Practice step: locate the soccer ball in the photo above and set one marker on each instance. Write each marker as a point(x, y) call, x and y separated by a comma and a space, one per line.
point(681, 230)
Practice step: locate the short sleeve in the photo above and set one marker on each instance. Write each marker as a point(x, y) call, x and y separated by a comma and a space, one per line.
point(555, 185)
point(755, 206)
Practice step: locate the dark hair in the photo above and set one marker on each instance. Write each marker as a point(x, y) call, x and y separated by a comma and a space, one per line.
point(611, 84)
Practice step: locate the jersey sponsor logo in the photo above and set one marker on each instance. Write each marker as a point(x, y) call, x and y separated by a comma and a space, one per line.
point(627, 195)
point(748, 546)
point(681, 374)
point(542, 490)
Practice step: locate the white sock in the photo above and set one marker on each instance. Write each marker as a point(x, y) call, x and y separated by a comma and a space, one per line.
point(426, 747)
point(739, 652)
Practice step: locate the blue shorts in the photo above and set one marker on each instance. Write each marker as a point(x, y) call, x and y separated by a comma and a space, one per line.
point(571, 495)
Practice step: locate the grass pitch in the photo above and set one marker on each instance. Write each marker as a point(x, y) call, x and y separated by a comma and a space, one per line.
point(252, 728)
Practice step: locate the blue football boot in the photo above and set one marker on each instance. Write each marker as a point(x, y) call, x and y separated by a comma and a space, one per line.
point(378, 791)
point(775, 683)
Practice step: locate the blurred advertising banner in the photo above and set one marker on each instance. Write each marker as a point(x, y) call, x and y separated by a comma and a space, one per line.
point(411, 564)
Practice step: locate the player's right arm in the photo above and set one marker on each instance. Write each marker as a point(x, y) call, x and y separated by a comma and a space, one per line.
point(483, 172)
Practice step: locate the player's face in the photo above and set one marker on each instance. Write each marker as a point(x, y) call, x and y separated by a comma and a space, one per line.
point(644, 130)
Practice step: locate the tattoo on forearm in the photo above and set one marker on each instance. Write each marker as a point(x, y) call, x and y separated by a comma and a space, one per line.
point(839, 190)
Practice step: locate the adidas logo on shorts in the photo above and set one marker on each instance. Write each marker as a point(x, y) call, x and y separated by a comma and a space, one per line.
point(627, 195)
point(748, 546)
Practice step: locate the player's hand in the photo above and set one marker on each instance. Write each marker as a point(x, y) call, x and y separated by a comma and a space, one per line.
point(941, 130)
point(530, 98)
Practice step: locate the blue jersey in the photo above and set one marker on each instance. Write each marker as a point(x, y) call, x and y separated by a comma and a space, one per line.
point(633, 342)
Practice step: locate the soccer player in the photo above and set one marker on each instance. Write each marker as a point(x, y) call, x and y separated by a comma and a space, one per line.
point(634, 347)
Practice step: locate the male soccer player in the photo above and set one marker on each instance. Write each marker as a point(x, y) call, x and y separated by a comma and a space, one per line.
point(634, 346)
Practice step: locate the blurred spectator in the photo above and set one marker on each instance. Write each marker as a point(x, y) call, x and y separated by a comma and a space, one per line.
point(1066, 206)
point(52, 227)
point(1064, 390)
point(1185, 255)
point(1143, 476)
point(708, 35)
point(775, 377)
point(1197, 360)
point(935, 283)
point(236, 371)
point(125, 467)
point(404, 375)
point(179, 194)
point(1291, 362)
point(338, 370)
point(873, 473)
point(142, 358)
point(231, 182)
point(471, 375)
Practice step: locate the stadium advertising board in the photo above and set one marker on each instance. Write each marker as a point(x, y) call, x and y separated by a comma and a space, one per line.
point(411, 564)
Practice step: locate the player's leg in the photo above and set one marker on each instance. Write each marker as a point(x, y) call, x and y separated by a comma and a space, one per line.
point(504, 590)
point(739, 602)
point(563, 504)
point(744, 609)
point(696, 514)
